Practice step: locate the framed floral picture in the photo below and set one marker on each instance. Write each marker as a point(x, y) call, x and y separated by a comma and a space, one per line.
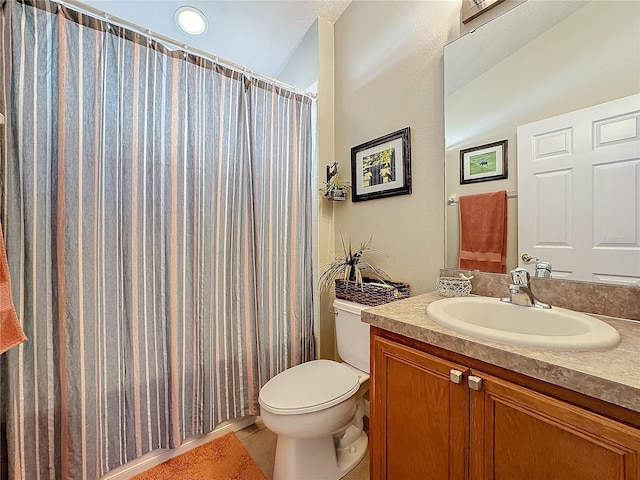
point(382, 167)
point(483, 163)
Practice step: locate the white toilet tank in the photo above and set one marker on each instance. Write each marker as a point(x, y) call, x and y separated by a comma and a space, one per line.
point(352, 335)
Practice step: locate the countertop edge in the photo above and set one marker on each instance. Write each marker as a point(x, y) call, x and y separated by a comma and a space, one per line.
point(522, 360)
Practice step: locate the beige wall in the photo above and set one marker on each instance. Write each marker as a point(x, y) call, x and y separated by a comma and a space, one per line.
point(325, 337)
point(380, 69)
point(389, 75)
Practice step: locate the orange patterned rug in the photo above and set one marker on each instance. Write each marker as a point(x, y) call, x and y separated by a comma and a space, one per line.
point(224, 458)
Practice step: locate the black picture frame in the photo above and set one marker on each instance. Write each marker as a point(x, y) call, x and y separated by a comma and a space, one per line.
point(376, 169)
point(484, 163)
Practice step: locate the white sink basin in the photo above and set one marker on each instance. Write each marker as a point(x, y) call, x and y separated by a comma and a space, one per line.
point(555, 328)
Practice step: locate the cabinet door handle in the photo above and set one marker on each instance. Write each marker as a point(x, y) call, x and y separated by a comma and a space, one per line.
point(456, 376)
point(475, 383)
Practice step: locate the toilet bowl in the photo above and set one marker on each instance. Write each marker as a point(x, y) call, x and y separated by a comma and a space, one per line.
point(317, 408)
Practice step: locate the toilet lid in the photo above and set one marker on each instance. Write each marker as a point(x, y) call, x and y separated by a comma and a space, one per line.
point(308, 387)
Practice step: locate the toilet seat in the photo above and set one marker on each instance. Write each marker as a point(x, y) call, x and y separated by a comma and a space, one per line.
point(309, 387)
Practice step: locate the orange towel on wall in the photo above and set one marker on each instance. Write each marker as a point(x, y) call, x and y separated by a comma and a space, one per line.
point(11, 333)
point(483, 232)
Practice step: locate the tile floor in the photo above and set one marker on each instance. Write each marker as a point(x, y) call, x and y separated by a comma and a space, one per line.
point(260, 442)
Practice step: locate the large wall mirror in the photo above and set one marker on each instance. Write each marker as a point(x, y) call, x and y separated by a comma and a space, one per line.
point(538, 60)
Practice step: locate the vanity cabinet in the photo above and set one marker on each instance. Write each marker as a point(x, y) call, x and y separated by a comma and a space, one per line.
point(419, 422)
point(435, 419)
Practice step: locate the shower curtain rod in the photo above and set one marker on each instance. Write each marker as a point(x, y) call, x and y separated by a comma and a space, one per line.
point(175, 45)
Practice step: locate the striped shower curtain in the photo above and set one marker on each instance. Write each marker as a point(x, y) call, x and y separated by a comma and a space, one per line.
point(157, 216)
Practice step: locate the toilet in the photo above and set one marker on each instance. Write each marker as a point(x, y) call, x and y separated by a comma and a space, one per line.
point(317, 408)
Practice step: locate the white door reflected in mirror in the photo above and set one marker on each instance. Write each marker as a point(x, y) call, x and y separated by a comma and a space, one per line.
point(578, 191)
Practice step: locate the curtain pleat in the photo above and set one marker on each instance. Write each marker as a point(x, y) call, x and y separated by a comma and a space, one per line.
point(157, 216)
point(282, 194)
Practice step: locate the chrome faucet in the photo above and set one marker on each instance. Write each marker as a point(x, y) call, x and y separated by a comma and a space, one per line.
point(520, 291)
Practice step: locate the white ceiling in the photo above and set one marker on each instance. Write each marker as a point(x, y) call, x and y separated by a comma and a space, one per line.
point(260, 35)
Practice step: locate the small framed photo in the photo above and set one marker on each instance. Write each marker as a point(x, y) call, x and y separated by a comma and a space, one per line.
point(472, 8)
point(382, 167)
point(483, 163)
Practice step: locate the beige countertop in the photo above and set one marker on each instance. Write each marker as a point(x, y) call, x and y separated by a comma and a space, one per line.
point(612, 375)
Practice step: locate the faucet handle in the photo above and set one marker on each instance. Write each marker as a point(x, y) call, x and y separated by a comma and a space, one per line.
point(543, 269)
point(520, 276)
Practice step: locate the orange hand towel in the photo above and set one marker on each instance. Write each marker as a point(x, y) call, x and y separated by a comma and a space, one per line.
point(483, 232)
point(11, 333)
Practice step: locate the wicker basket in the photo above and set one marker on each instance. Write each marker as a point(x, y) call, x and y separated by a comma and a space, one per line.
point(371, 292)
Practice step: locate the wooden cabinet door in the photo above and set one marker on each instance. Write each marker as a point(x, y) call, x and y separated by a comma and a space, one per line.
point(419, 417)
point(520, 434)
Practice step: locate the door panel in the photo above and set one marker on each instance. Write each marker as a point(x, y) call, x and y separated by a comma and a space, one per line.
point(525, 435)
point(579, 192)
point(419, 418)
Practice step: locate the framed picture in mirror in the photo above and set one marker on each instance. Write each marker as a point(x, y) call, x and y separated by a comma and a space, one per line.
point(472, 8)
point(484, 163)
point(382, 167)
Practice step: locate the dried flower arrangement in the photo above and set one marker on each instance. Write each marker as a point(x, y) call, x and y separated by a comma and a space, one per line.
point(350, 266)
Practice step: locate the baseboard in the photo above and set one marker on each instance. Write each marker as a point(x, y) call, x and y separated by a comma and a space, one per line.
point(157, 457)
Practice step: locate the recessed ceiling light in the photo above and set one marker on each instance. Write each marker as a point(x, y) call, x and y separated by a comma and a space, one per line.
point(191, 20)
